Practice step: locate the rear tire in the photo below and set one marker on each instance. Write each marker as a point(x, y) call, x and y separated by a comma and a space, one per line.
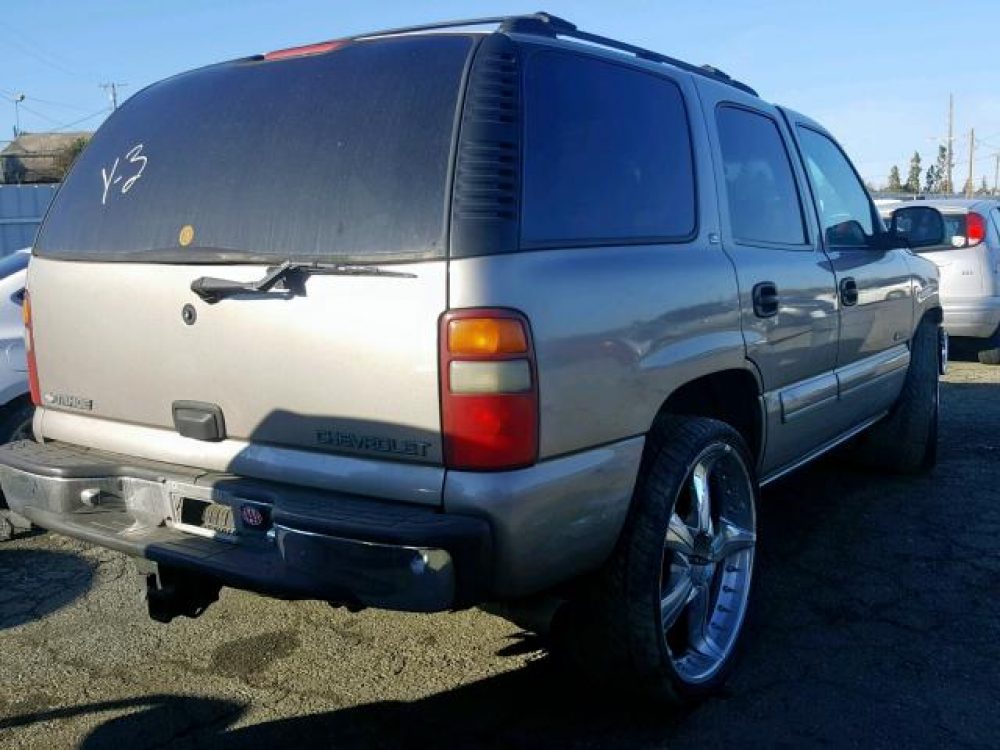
point(665, 616)
point(906, 441)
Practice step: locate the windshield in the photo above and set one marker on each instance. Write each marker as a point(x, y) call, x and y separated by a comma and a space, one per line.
point(336, 156)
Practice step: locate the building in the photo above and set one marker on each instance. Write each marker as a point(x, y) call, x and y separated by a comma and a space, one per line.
point(34, 158)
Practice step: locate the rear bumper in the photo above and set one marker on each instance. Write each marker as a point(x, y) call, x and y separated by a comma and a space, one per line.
point(973, 318)
point(312, 545)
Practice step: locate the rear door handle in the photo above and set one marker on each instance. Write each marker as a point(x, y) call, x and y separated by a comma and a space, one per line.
point(848, 291)
point(765, 299)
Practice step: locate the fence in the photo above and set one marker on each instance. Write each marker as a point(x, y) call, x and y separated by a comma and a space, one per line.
point(21, 210)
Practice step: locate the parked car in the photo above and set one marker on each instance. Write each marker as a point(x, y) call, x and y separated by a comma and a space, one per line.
point(523, 315)
point(969, 262)
point(16, 408)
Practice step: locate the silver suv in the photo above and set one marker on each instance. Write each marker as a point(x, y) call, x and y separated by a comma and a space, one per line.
point(439, 317)
point(969, 262)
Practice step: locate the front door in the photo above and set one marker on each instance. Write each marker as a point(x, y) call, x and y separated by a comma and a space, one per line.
point(873, 281)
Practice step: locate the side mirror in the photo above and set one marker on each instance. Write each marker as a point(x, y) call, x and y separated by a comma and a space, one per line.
point(918, 226)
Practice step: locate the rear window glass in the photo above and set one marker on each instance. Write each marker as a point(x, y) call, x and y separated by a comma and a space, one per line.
point(954, 226)
point(338, 156)
point(607, 154)
point(955, 232)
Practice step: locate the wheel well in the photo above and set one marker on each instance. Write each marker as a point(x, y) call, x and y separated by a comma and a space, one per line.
point(731, 396)
point(935, 315)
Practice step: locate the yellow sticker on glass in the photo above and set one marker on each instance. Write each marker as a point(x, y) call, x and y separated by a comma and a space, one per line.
point(186, 236)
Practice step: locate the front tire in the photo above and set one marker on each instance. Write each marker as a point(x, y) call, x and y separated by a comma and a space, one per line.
point(667, 612)
point(906, 441)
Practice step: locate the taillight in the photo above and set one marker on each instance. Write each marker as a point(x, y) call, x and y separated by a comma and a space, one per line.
point(489, 390)
point(975, 228)
point(306, 49)
point(29, 348)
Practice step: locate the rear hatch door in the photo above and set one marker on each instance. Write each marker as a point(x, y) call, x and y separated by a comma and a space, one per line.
point(341, 158)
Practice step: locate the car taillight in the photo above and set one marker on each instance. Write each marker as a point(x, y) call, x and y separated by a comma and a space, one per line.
point(975, 228)
point(489, 390)
point(29, 348)
point(306, 49)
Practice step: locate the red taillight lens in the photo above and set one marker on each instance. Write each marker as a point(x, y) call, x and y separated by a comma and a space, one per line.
point(29, 347)
point(306, 49)
point(975, 229)
point(489, 390)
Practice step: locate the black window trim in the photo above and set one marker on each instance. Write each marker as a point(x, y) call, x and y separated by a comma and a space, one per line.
point(531, 50)
point(808, 244)
point(878, 227)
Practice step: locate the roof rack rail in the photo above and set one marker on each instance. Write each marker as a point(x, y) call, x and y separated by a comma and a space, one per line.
point(546, 24)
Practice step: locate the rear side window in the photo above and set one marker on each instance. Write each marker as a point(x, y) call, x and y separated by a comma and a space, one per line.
point(339, 156)
point(607, 154)
point(760, 186)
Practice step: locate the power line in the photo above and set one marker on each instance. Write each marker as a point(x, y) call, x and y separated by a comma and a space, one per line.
point(91, 116)
point(35, 51)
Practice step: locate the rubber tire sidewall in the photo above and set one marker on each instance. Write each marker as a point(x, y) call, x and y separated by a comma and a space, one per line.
point(905, 442)
point(623, 612)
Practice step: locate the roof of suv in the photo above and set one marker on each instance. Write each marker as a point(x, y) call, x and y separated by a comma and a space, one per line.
point(553, 27)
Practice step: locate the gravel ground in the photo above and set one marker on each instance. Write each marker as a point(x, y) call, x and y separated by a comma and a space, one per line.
point(876, 624)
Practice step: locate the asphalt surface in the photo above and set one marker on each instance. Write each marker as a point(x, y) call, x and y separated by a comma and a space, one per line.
point(876, 625)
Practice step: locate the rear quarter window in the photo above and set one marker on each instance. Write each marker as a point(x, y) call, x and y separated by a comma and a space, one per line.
point(607, 154)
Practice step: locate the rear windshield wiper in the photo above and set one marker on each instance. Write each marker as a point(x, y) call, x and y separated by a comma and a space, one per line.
point(291, 273)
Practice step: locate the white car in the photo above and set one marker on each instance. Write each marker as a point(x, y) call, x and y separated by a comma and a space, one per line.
point(15, 403)
point(16, 409)
point(969, 262)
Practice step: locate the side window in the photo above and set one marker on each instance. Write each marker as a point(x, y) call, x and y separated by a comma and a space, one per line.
point(763, 200)
point(607, 154)
point(845, 210)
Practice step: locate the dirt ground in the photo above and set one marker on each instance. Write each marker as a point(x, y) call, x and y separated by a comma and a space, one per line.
point(877, 623)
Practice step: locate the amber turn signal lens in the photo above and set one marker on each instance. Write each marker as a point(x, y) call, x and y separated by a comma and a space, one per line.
point(486, 336)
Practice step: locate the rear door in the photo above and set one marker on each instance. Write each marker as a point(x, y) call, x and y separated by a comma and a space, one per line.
point(225, 172)
point(787, 291)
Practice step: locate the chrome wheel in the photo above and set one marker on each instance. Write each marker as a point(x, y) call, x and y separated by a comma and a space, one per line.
point(707, 563)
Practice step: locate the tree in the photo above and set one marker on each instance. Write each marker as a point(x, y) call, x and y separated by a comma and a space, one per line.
point(894, 185)
point(941, 170)
point(984, 189)
point(932, 179)
point(913, 178)
point(65, 158)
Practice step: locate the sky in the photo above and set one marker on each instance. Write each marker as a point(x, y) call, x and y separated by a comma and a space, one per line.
point(876, 73)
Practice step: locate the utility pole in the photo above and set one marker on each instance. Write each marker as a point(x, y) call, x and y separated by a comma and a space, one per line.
point(18, 98)
point(951, 137)
point(972, 152)
point(996, 172)
point(111, 89)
